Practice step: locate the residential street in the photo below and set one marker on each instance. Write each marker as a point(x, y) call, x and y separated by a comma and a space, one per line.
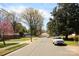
point(37, 29)
point(43, 47)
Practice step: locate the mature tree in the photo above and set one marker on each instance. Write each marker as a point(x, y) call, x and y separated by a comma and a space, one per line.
point(52, 27)
point(13, 19)
point(34, 19)
point(20, 28)
point(67, 15)
point(6, 27)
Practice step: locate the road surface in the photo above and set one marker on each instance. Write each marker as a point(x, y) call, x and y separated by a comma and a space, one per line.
point(43, 47)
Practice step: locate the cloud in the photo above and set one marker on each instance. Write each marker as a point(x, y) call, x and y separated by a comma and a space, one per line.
point(45, 13)
point(14, 8)
point(17, 9)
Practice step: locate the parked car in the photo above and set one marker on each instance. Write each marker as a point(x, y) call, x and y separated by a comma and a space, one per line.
point(58, 41)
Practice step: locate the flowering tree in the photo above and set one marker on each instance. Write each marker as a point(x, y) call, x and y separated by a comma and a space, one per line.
point(6, 29)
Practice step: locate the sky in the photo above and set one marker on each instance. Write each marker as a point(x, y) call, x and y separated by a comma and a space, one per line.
point(44, 8)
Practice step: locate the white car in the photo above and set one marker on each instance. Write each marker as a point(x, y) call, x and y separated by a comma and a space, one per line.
point(58, 41)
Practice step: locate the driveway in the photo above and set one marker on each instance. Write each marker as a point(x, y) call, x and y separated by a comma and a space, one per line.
point(43, 47)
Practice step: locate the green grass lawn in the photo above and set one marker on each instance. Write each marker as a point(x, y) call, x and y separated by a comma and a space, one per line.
point(11, 49)
point(70, 43)
point(12, 45)
point(24, 39)
point(7, 44)
point(18, 40)
point(12, 42)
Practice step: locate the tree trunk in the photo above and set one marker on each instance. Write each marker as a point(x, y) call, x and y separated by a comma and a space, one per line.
point(66, 36)
point(3, 41)
point(2, 37)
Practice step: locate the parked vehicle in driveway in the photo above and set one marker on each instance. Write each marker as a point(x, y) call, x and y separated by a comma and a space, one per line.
point(58, 41)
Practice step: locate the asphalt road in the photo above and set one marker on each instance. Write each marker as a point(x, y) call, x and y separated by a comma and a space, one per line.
point(43, 47)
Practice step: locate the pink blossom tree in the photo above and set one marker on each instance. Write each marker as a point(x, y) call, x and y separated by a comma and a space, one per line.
point(6, 28)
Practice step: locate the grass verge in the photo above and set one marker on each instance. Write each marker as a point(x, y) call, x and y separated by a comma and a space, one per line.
point(11, 49)
point(70, 43)
point(7, 44)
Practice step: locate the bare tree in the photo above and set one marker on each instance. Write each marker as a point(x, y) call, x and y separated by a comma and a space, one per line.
point(34, 19)
point(13, 20)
